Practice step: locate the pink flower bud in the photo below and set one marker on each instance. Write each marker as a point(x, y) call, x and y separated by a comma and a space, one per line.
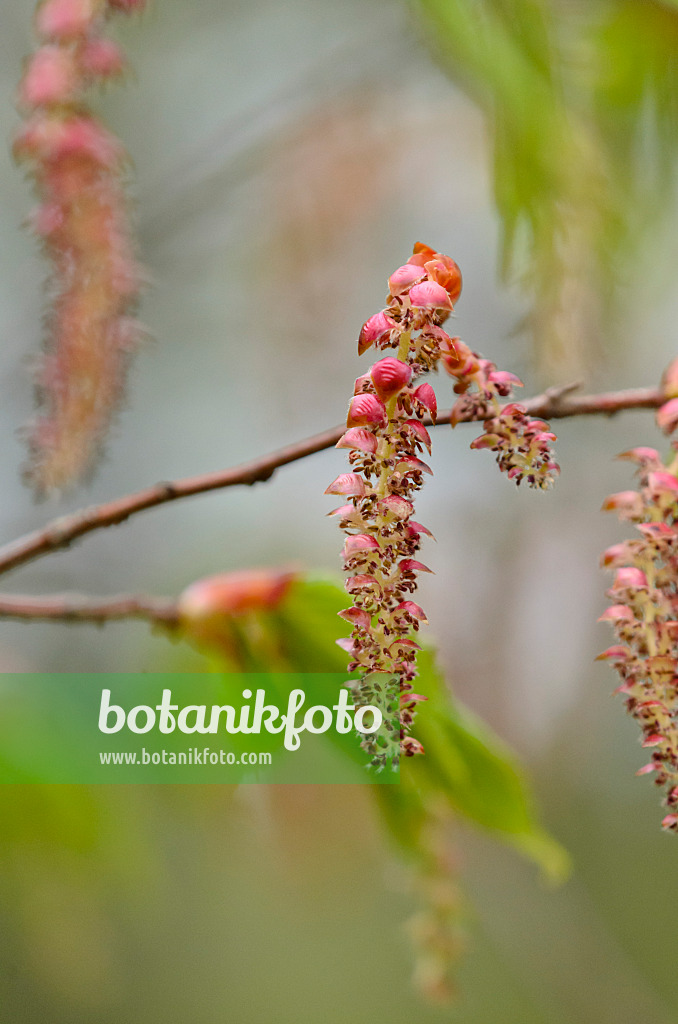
point(362, 384)
point(366, 410)
point(504, 377)
point(628, 504)
point(429, 295)
point(444, 271)
point(662, 483)
point(343, 510)
point(359, 543)
point(426, 396)
point(617, 653)
point(390, 376)
point(616, 555)
point(357, 617)
point(404, 277)
point(653, 740)
point(492, 441)
point(411, 565)
point(50, 77)
point(615, 613)
point(346, 644)
point(413, 610)
point(667, 416)
point(102, 58)
point(630, 577)
point(412, 465)
point(377, 328)
point(65, 19)
point(354, 584)
point(397, 506)
point(412, 746)
point(418, 528)
point(643, 456)
point(420, 432)
point(350, 484)
point(358, 437)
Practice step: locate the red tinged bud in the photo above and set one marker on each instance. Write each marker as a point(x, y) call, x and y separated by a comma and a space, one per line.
point(412, 465)
point(377, 329)
point(358, 544)
point(358, 438)
point(445, 272)
point(65, 19)
point(643, 456)
point(51, 77)
point(617, 612)
point(627, 504)
point(418, 528)
point(616, 653)
point(629, 576)
point(411, 565)
point(350, 484)
point(662, 482)
point(426, 396)
point(355, 584)
point(357, 617)
point(365, 411)
point(389, 377)
point(653, 740)
point(421, 254)
point(413, 610)
point(102, 58)
point(430, 295)
point(404, 277)
point(420, 432)
point(399, 507)
point(504, 377)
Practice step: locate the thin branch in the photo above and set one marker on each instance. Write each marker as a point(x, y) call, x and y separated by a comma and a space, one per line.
point(74, 608)
point(555, 403)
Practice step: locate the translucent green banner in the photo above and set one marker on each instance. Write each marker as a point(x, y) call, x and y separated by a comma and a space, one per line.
point(181, 728)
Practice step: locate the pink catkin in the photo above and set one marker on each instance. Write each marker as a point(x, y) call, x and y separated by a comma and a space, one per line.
point(82, 221)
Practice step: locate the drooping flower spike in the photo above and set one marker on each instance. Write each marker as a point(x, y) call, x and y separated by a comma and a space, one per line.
point(82, 222)
point(644, 613)
point(386, 436)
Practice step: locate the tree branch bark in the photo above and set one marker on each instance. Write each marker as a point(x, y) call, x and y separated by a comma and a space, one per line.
point(555, 403)
point(75, 608)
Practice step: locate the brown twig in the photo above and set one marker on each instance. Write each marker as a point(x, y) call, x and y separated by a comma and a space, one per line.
point(555, 403)
point(74, 608)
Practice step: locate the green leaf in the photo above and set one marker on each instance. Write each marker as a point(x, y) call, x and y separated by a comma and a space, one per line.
point(466, 767)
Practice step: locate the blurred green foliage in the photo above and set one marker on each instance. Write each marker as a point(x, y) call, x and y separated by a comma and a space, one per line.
point(466, 770)
point(581, 102)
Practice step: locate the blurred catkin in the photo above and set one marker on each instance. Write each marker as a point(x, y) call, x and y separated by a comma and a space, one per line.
point(82, 220)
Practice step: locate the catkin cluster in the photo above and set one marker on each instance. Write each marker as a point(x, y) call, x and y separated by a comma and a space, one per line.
point(645, 609)
point(82, 221)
